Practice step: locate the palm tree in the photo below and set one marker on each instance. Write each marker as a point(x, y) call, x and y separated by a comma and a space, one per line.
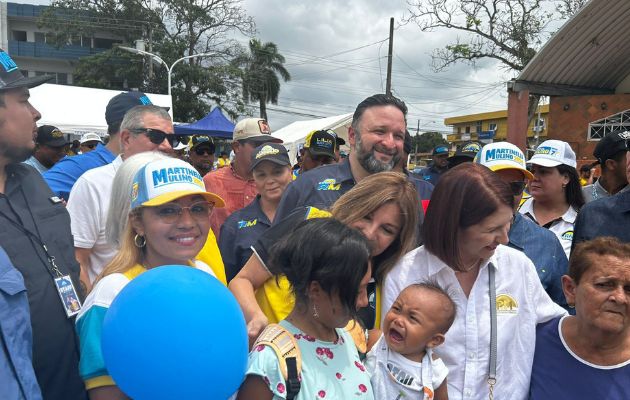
point(260, 69)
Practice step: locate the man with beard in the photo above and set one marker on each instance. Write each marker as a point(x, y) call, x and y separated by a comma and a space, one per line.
point(376, 137)
point(201, 154)
point(36, 236)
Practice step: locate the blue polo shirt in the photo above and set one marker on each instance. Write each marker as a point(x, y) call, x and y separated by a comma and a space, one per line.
point(62, 176)
point(609, 216)
point(544, 249)
point(17, 377)
point(238, 233)
point(322, 186)
point(431, 174)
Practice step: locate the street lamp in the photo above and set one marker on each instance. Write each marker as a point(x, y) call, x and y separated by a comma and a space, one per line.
point(159, 59)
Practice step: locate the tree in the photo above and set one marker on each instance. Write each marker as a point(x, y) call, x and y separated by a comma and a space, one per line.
point(425, 142)
point(172, 29)
point(259, 73)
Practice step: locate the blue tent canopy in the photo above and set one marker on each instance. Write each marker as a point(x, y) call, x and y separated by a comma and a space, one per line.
point(214, 124)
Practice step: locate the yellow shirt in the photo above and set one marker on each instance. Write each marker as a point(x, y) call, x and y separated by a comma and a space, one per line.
point(211, 255)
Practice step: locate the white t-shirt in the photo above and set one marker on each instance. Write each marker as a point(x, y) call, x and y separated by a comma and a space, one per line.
point(88, 205)
point(562, 227)
point(394, 376)
point(521, 303)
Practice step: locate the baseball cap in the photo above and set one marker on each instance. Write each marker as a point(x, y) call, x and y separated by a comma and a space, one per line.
point(12, 78)
point(552, 153)
point(123, 102)
point(255, 129)
point(90, 137)
point(441, 149)
point(320, 143)
point(160, 182)
point(503, 155)
point(51, 136)
point(338, 139)
point(199, 140)
point(273, 152)
point(611, 144)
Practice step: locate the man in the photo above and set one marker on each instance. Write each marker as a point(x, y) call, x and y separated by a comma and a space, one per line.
point(224, 161)
point(201, 154)
point(465, 153)
point(65, 173)
point(377, 137)
point(319, 149)
point(610, 153)
point(144, 128)
point(234, 183)
point(438, 166)
point(539, 244)
point(608, 216)
point(36, 236)
point(89, 141)
point(50, 147)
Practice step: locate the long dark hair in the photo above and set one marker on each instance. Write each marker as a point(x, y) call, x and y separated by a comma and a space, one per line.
point(573, 191)
point(326, 251)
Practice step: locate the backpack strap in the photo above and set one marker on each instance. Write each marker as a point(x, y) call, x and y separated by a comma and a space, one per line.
point(284, 344)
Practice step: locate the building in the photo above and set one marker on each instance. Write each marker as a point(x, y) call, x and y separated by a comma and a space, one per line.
point(27, 44)
point(492, 126)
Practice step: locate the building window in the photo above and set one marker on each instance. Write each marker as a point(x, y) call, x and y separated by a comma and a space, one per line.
point(101, 43)
point(40, 73)
point(62, 78)
point(468, 129)
point(459, 129)
point(539, 125)
point(86, 41)
point(492, 127)
point(40, 37)
point(20, 36)
point(478, 127)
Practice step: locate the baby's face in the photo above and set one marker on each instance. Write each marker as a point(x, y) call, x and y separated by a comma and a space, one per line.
point(413, 321)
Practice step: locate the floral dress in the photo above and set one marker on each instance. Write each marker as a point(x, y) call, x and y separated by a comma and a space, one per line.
point(330, 370)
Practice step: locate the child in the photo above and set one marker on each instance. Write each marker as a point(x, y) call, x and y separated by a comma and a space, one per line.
point(401, 362)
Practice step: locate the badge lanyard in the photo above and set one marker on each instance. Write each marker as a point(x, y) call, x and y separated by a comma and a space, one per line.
point(63, 283)
point(492, 370)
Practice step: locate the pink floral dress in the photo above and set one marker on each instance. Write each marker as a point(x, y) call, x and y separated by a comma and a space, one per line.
point(330, 370)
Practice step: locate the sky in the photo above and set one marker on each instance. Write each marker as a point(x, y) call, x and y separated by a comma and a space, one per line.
point(336, 53)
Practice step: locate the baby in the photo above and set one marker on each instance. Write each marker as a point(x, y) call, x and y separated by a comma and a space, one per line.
point(401, 364)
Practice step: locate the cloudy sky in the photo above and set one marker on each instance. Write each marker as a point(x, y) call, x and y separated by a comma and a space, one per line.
point(336, 52)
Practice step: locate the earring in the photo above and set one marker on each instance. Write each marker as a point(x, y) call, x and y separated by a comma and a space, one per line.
point(571, 305)
point(564, 186)
point(315, 313)
point(139, 241)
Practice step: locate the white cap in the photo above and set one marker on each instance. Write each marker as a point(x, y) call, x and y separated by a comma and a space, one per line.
point(552, 153)
point(254, 129)
point(90, 137)
point(503, 155)
point(163, 181)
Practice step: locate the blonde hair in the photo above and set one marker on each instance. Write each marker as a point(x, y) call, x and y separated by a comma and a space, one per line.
point(369, 195)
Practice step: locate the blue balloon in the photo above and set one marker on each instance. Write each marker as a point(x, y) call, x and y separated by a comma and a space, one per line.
point(175, 332)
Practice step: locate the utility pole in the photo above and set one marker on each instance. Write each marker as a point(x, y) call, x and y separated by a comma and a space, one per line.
point(415, 155)
point(388, 84)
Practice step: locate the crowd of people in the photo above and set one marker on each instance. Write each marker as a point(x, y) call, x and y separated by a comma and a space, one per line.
point(485, 275)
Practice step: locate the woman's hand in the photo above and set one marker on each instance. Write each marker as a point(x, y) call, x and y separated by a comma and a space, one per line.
point(255, 327)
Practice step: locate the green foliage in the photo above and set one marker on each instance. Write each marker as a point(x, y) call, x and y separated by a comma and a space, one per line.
point(259, 73)
point(171, 29)
point(427, 141)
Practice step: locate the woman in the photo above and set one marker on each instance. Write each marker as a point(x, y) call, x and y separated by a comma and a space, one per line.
point(556, 193)
point(327, 266)
point(168, 224)
point(464, 231)
point(587, 356)
point(271, 169)
point(382, 206)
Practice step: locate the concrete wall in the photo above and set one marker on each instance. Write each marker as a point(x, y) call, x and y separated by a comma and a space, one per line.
point(569, 118)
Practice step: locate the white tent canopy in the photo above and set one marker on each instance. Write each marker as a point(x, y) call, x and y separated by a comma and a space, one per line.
point(294, 134)
point(78, 110)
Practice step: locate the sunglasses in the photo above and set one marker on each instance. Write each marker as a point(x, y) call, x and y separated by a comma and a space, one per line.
point(169, 213)
point(157, 136)
point(201, 152)
point(517, 187)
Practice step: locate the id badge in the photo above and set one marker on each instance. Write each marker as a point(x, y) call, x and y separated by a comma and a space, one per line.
point(68, 295)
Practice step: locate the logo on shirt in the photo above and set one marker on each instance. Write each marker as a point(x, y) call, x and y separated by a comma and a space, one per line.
point(568, 235)
point(328, 184)
point(247, 224)
point(506, 304)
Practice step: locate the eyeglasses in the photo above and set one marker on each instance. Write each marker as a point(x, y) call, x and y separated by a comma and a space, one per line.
point(517, 187)
point(171, 212)
point(201, 152)
point(157, 136)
